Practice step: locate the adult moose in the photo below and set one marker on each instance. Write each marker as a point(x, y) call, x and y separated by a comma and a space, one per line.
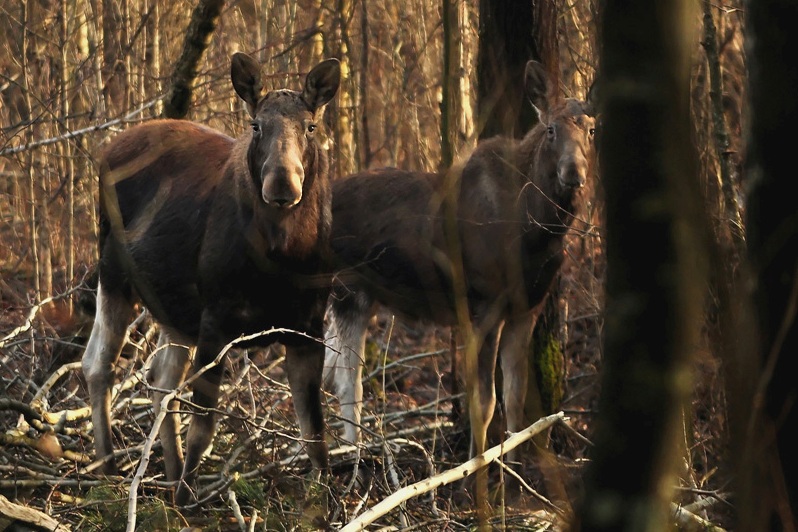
point(217, 237)
point(509, 210)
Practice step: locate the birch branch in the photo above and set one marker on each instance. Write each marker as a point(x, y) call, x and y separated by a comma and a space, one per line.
point(689, 520)
point(80, 132)
point(452, 475)
point(28, 321)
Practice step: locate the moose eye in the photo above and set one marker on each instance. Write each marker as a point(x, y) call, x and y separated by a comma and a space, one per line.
point(592, 132)
point(311, 128)
point(255, 127)
point(550, 131)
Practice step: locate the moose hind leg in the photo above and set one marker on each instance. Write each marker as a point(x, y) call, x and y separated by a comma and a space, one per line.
point(304, 365)
point(102, 351)
point(166, 373)
point(345, 338)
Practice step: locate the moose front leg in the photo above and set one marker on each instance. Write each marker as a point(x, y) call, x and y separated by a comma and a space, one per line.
point(481, 404)
point(304, 365)
point(205, 395)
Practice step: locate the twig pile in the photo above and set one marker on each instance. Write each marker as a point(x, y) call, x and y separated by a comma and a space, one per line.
point(256, 476)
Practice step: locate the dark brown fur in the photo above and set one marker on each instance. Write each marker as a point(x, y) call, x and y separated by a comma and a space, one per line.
point(218, 237)
point(489, 236)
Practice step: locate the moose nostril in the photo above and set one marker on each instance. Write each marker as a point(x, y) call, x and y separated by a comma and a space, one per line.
point(572, 175)
point(572, 171)
point(280, 202)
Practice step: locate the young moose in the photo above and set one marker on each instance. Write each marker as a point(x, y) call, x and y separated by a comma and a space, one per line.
point(514, 203)
point(217, 237)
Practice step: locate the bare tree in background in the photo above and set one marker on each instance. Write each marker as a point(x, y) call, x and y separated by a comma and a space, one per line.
point(363, 85)
point(656, 265)
point(456, 97)
point(114, 71)
point(450, 24)
point(506, 43)
point(198, 35)
point(345, 124)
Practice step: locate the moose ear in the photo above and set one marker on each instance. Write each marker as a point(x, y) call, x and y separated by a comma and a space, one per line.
point(245, 73)
point(536, 86)
point(592, 100)
point(322, 83)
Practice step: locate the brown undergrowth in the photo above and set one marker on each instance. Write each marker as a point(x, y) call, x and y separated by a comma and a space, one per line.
point(256, 478)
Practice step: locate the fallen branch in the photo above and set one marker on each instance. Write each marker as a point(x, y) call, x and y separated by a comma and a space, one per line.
point(18, 513)
point(690, 520)
point(33, 417)
point(28, 321)
point(38, 399)
point(452, 475)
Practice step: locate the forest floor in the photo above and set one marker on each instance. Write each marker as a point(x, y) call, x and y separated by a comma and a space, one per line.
point(255, 478)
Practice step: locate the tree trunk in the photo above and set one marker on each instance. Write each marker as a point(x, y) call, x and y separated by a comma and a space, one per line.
point(449, 85)
point(764, 427)
point(198, 36)
point(656, 266)
point(506, 43)
point(512, 33)
point(114, 75)
point(152, 55)
point(364, 84)
point(346, 159)
point(546, 385)
point(67, 168)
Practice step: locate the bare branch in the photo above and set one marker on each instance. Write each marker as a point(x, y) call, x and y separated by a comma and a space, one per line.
point(475, 464)
point(80, 132)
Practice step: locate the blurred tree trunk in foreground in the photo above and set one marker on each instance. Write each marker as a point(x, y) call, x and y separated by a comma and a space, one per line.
point(656, 265)
point(765, 410)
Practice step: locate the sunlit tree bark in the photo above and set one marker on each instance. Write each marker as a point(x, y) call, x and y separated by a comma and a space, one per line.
point(114, 72)
point(346, 160)
point(449, 85)
point(152, 56)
